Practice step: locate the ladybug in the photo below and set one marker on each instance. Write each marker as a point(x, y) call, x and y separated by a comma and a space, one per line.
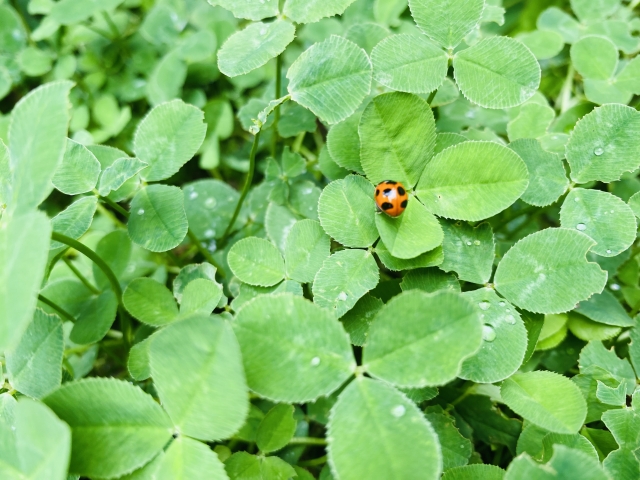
point(391, 198)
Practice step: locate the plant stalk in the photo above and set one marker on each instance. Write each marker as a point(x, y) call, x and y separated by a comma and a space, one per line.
point(57, 308)
point(276, 113)
point(81, 277)
point(115, 206)
point(93, 256)
point(204, 252)
point(245, 189)
point(432, 95)
point(307, 441)
point(314, 462)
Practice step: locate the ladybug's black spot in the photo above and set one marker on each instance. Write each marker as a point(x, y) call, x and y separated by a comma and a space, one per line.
point(404, 203)
point(377, 192)
point(386, 206)
point(390, 182)
point(386, 191)
point(401, 191)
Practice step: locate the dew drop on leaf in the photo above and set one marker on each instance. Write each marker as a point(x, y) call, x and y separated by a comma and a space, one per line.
point(210, 202)
point(208, 233)
point(141, 211)
point(484, 305)
point(469, 243)
point(608, 251)
point(193, 195)
point(581, 226)
point(511, 320)
point(615, 287)
point(598, 151)
point(398, 411)
point(315, 361)
point(342, 296)
point(502, 304)
point(476, 242)
point(488, 333)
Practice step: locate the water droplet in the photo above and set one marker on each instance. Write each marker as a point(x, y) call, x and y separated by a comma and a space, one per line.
point(141, 211)
point(342, 296)
point(208, 233)
point(476, 242)
point(576, 199)
point(615, 287)
point(263, 31)
point(581, 226)
point(611, 211)
point(469, 243)
point(484, 305)
point(213, 246)
point(315, 361)
point(398, 411)
point(193, 195)
point(488, 333)
point(598, 151)
point(511, 320)
point(502, 304)
point(210, 202)
point(608, 251)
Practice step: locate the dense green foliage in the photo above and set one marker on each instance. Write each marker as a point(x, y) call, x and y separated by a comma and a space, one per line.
point(194, 280)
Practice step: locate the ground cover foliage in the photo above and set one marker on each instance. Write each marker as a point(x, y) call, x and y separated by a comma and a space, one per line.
point(194, 281)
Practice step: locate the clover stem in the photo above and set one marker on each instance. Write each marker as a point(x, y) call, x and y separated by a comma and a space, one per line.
point(245, 189)
point(112, 25)
point(57, 308)
point(432, 95)
point(204, 252)
point(564, 97)
point(307, 441)
point(115, 206)
point(81, 277)
point(276, 116)
point(125, 321)
point(313, 462)
point(95, 258)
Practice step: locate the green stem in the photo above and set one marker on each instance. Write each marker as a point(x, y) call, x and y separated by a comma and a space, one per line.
point(465, 394)
point(52, 264)
point(57, 308)
point(112, 217)
point(81, 277)
point(245, 189)
point(276, 117)
point(432, 95)
point(564, 97)
point(25, 25)
point(79, 350)
point(314, 462)
point(99, 31)
point(93, 256)
point(204, 252)
point(115, 206)
point(112, 26)
point(307, 441)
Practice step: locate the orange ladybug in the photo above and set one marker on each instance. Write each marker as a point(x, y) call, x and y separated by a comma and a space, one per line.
point(391, 198)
